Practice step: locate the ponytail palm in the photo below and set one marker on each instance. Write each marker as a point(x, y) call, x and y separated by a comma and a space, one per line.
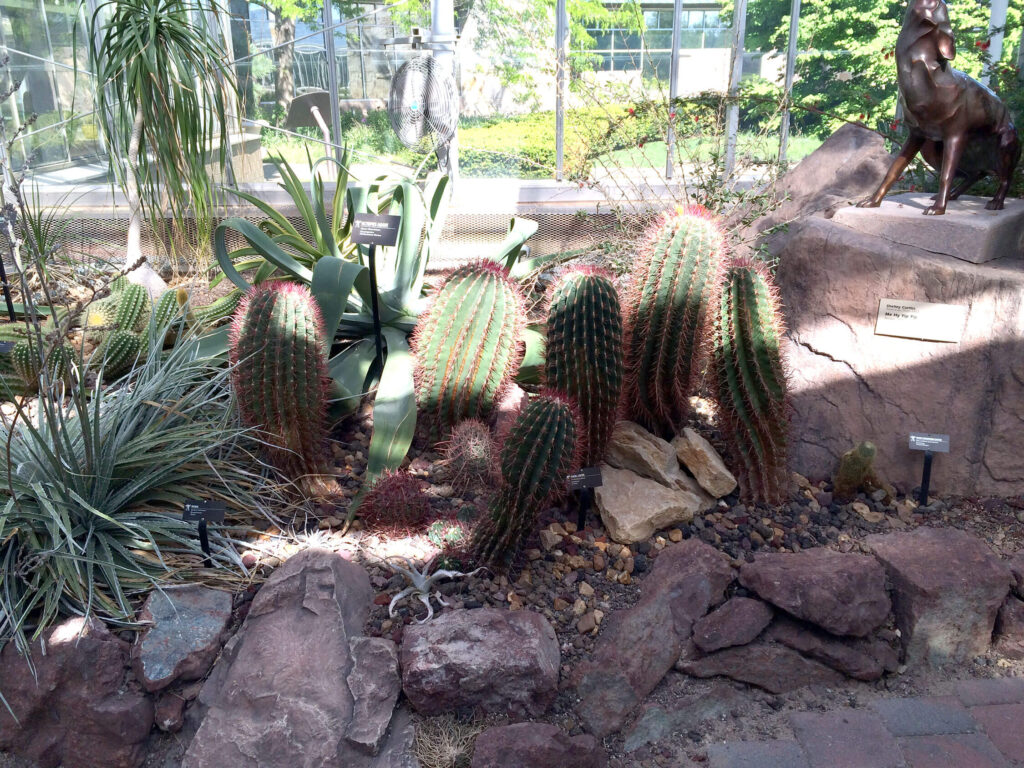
point(161, 81)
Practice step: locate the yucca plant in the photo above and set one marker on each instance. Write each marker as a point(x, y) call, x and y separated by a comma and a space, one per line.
point(94, 478)
point(161, 85)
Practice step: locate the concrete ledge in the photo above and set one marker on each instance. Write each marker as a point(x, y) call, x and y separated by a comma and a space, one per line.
point(966, 231)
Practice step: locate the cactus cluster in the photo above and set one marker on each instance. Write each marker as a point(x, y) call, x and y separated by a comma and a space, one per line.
point(584, 352)
point(678, 277)
point(280, 377)
point(467, 345)
point(396, 502)
point(541, 449)
point(750, 379)
point(469, 456)
point(27, 361)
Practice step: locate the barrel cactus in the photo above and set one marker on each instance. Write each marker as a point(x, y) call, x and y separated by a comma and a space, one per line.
point(469, 454)
point(217, 310)
point(669, 312)
point(280, 377)
point(584, 352)
point(26, 359)
point(750, 379)
point(395, 503)
point(540, 450)
point(468, 344)
point(133, 308)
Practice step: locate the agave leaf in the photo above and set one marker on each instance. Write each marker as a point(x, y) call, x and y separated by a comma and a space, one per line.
point(262, 244)
point(520, 230)
point(533, 361)
point(331, 286)
point(349, 371)
point(394, 409)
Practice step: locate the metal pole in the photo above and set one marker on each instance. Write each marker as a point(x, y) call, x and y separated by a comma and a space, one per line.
point(732, 113)
point(332, 79)
point(794, 28)
point(996, 25)
point(442, 31)
point(561, 44)
point(673, 84)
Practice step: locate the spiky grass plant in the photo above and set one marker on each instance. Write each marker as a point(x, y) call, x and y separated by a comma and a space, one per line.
point(93, 480)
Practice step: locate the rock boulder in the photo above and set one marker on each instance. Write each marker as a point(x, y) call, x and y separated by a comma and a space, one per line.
point(188, 626)
point(775, 668)
point(841, 593)
point(947, 589)
point(704, 463)
point(736, 622)
point(291, 687)
point(633, 507)
point(484, 659)
point(82, 709)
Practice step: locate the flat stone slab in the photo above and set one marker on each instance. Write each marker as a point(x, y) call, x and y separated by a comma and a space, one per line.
point(947, 589)
point(846, 738)
point(922, 716)
point(188, 624)
point(757, 754)
point(1001, 723)
point(966, 231)
point(999, 690)
point(951, 751)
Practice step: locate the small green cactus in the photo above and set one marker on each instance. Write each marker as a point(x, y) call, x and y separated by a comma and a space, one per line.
point(750, 379)
point(280, 377)
point(119, 351)
point(133, 308)
point(584, 352)
point(669, 312)
point(396, 503)
point(217, 310)
point(540, 450)
point(468, 345)
point(469, 456)
point(26, 361)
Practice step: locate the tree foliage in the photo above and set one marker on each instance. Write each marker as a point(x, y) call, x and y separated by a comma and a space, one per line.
point(846, 68)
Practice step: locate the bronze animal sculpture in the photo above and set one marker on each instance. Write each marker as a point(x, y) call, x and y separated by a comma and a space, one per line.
point(959, 126)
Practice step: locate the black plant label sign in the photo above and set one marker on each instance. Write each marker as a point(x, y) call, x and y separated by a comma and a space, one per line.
point(588, 477)
point(370, 229)
point(6, 346)
point(927, 441)
point(210, 511)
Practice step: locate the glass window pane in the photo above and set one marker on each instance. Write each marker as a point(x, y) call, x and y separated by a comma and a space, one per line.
point(691, 39)
point(660, 39)
point(651, 19)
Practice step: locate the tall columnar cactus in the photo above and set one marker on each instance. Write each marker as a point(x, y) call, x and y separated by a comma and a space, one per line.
point(677, 278)
point(468, 344)
point(584, 352)
point(540, 450)
point(280, 376)
point(750, 379)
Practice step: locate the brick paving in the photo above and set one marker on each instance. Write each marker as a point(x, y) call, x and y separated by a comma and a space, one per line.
point(982, 726)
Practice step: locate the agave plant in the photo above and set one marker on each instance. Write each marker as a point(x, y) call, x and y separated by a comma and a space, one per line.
point(338, 276)
point(94, 476)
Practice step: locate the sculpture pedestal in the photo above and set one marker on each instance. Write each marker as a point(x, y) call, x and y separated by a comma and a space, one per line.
point(965, 231)
point(850, 384)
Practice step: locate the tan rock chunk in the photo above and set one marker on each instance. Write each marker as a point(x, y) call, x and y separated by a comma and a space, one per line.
point(634, 448)
point(703, 461)
point(634, 507)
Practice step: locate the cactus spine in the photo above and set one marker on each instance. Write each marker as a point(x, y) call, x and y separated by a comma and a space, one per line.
point(280, 376)
point(541, 449)
point(670, 310)
point(584, 353)
point(119, 352)
point(750, 379)
point(468, 344)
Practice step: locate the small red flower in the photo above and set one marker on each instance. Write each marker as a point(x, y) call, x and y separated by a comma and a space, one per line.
point(696, 119)
point(983, 44)
point(641, 143)
point(862, 116)
point(632, 111)
point(894, 126)
point(671, 115)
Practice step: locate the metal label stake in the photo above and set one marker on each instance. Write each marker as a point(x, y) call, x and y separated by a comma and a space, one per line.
point(582, 485)
point(373, 230)
point(200, 512)
point(931, 444)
